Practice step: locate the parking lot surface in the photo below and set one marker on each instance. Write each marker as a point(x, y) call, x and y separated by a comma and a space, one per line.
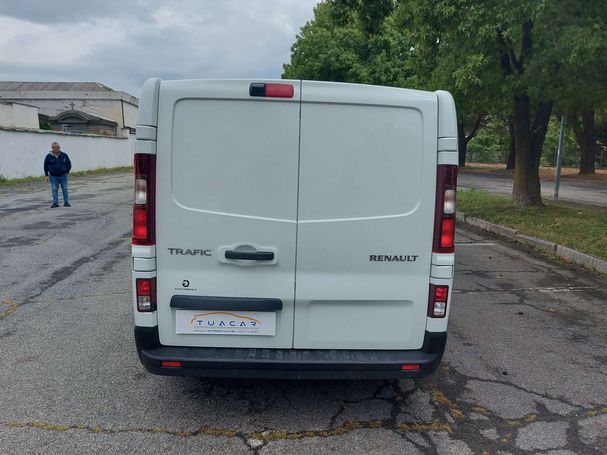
point(525, 369)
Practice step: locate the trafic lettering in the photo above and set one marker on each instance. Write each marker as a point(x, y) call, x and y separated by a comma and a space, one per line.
point(190, 252)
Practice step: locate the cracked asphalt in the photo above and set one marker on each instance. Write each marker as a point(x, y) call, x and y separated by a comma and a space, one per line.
point(525, 369)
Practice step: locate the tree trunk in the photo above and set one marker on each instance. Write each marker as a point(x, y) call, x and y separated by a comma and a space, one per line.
point(462, 144)
point(511, 147)
point(462, 139)
point(586, 138)
point(528, 138)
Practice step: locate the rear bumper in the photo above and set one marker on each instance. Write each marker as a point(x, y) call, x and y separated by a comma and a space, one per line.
point(288, 363)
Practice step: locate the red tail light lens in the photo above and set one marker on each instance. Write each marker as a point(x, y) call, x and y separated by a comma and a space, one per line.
point(447, 238)
point(411, 367)
point(146, 294)
point(144, 200)
point(279, 90)
point(140, 224)
point(437, 302)
point(444, 211)
point(144, 287)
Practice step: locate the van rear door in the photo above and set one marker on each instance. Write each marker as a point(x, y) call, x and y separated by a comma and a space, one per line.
point(226, 211)
point(368, 159)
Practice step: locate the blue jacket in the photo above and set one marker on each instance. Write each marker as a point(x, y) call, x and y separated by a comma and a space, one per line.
point(57, 166)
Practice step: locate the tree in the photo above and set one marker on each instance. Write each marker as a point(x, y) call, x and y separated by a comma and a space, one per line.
point(511, 148)
point(586, 65)
point(586, 136)
point(516, 58)
point(365, 41)
point(345, 43)
point(436, 63)
point(523, 53)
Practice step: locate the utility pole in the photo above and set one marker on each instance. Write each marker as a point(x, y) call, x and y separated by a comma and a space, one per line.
point(559, 160)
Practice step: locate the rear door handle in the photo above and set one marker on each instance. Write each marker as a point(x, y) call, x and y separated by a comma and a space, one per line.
point(250, 255)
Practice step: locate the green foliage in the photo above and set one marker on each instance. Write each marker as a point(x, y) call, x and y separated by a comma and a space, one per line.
point(439, 59)
point(571, 149)
point(490, 144)
point(486, 53)
point(337, 45)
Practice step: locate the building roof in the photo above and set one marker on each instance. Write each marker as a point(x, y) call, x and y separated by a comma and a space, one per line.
point(54, 90)
point(20, 104)
point(54, 86)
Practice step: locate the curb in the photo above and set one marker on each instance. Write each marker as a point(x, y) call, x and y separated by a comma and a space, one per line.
point(544, 246)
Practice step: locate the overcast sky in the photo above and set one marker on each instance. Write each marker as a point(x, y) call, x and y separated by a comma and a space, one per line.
point(121, 43)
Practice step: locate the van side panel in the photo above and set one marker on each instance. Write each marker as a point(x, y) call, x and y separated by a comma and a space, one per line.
point(227, 168)
point(366, 211)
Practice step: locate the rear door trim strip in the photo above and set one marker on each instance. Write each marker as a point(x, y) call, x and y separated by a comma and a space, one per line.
point(191, 302)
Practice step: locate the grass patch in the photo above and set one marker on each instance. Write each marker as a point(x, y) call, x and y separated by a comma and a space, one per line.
point(103, 170)
point(475, 167)
point(582, 228)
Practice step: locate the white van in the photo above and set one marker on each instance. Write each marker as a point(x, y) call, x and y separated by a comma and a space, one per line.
point(293, 229)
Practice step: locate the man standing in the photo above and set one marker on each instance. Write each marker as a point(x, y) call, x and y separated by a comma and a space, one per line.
point(57, 165)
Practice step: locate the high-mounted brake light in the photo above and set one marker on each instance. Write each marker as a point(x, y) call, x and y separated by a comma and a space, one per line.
point(146, 294)
point(437, 302)
point(271, 90)
point(444, 211)
point(144, 201)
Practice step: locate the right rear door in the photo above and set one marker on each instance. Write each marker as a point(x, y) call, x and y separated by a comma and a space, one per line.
point(367, 176)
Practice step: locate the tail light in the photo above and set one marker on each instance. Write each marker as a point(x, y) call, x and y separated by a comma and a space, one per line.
point(144, 200)
point(444, 212)
point(146, 294)
point(437, 304)
point(271, 90)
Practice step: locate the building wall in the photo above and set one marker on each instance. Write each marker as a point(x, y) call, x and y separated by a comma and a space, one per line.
point(22, 153)
point(110, 109)
point(130, 115)
point(18, 116)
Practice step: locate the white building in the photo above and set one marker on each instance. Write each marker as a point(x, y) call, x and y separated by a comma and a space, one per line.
point(80, 107)
point(18, 115)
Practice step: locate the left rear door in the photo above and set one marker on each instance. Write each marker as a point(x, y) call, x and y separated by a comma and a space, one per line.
point(227, 170)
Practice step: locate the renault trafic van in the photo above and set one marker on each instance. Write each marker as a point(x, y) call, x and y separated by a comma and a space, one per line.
point(293, 229)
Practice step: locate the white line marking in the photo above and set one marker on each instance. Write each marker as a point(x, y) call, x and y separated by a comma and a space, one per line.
point(474, 244)
point(506, 291)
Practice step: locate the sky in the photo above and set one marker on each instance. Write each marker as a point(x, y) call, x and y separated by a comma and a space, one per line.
point(121, 43)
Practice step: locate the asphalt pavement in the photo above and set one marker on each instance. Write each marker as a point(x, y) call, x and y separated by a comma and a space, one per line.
point(570, 190)
point(525, 369)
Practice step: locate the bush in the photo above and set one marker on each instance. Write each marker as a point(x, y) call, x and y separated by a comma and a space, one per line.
point(571, 150)
point(490, 145)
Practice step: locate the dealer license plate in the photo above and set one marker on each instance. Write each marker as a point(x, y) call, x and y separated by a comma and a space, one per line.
point(213, 322)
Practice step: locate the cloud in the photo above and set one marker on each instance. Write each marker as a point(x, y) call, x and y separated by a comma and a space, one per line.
point(121, 47)
point(66, 12)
